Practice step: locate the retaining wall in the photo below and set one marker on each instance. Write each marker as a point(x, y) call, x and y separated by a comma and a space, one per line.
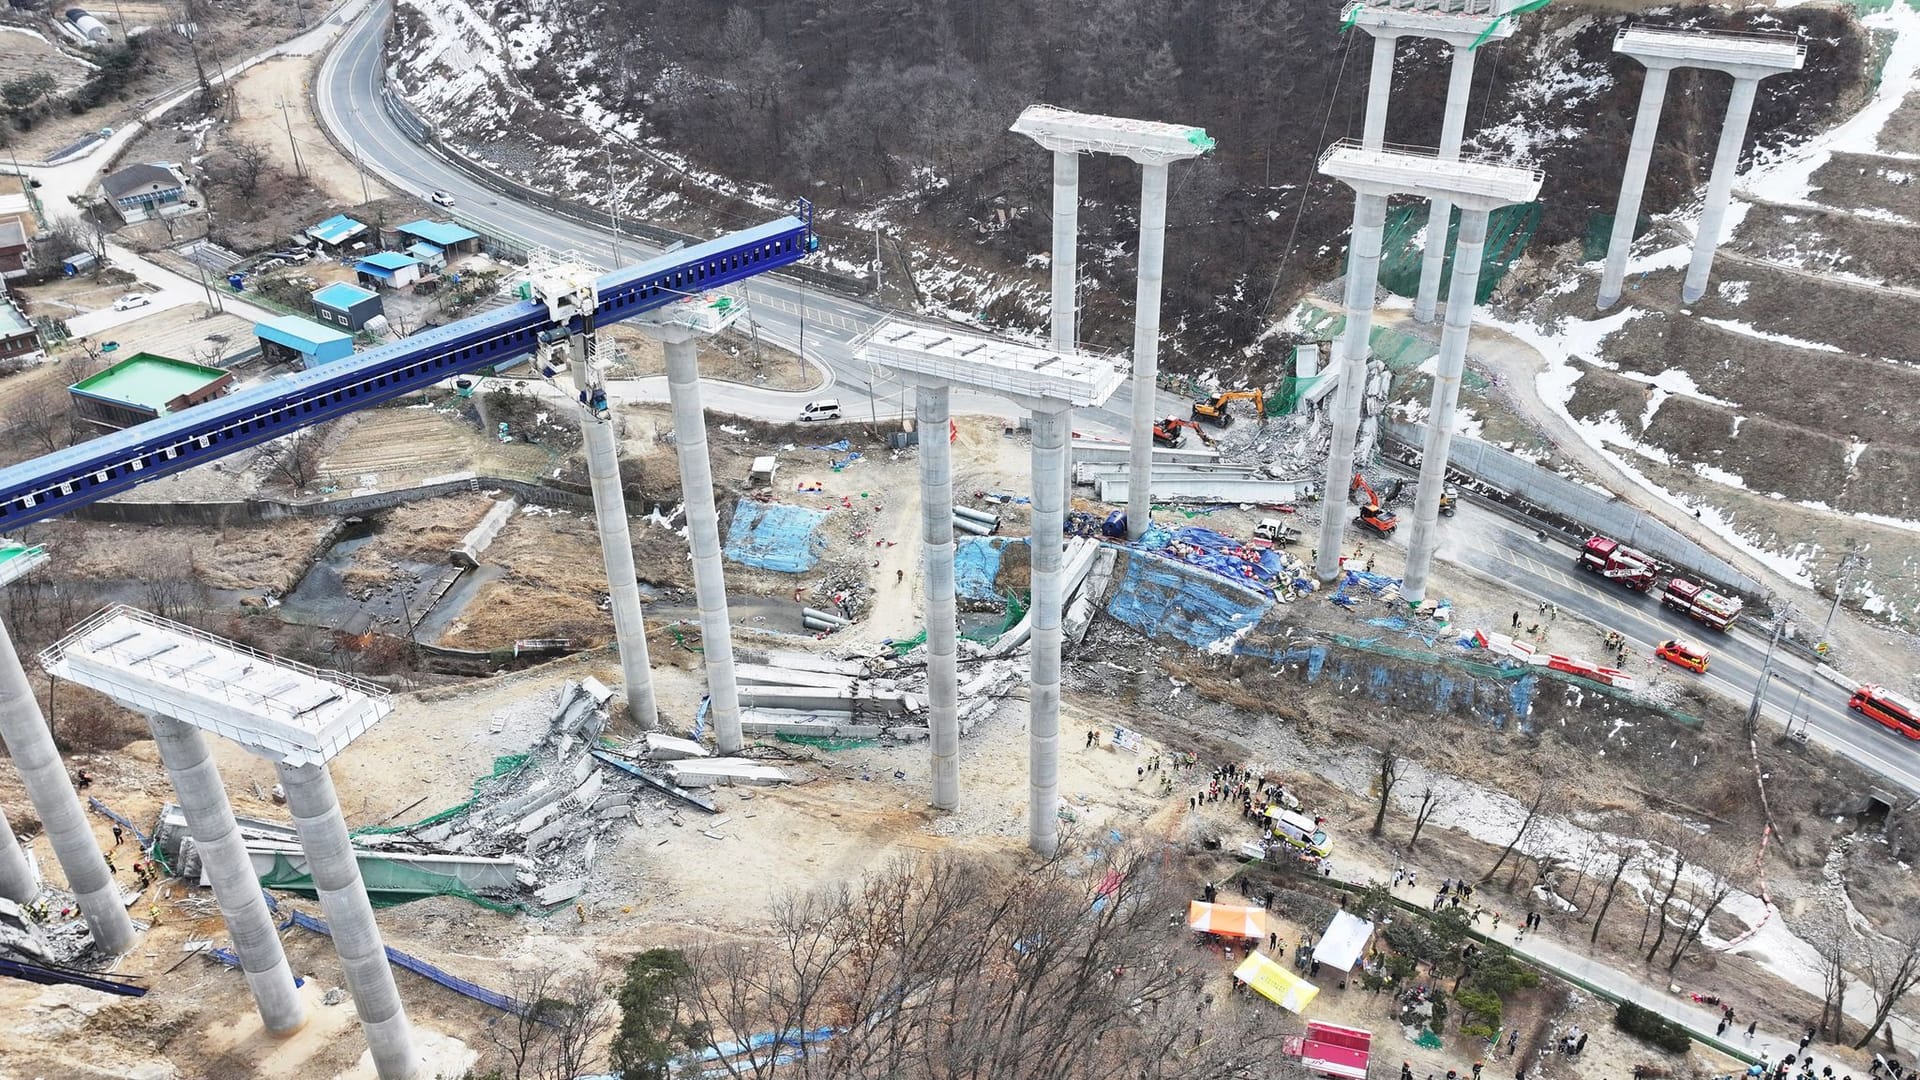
point(1438, 685)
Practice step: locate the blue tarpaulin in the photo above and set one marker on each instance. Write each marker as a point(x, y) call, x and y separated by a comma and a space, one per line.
point(775, 536)
point(976, 563)
point(1163, 598)
point(1257, 568)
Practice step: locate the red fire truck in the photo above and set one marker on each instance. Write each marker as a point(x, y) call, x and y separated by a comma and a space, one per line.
point(1612, 559)
point(1896, 711)
point(1701, 603)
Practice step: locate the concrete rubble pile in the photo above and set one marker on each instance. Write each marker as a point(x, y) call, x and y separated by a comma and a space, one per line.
point(531, 833)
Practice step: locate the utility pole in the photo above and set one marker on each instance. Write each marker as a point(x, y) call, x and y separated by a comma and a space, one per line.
point(876, 262)
point(1839, 591)
point(365, 195)
point(1766, 673)
point(286, 115)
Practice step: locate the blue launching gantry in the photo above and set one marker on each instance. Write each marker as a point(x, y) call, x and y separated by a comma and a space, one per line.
point(56, 483)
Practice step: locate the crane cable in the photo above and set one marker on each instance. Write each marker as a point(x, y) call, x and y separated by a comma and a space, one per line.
point(1286, 254)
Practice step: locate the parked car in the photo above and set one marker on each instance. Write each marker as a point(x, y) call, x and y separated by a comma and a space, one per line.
point(441, 198)
point(131, 301)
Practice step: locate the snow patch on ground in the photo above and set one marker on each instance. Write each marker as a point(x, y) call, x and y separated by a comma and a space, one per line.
point(1789, 178)
point(1749, 330)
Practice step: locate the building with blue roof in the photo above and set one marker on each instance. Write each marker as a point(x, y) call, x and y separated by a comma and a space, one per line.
point(431, 258)
point(388, 269)
point(445, 235)
point(303, 342)
point(348, 307)
point(337, 232)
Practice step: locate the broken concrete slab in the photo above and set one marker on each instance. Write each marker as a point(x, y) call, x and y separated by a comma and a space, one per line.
point(560, 892)
point(721, 772)
point(650, 780)
point(552, 830)
point(668, 748)
point(596, 690)
point(766, 675)
point(589, 790)
point(608, 812)
point(540, 816)
point(615, 798)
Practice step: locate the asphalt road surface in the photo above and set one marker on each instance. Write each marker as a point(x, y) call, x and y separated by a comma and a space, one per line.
point(348, 94)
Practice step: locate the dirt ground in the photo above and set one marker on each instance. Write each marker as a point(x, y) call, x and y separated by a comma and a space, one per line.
point(402, 445)
point(228, 32)
point(256, 97)
point(731, 357)
point(265, 556)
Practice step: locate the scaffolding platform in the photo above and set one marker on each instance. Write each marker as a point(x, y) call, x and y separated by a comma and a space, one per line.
point(1469, 183)
point(1461, 22)
point(279, 710)
point(1718, 49)
point(1149, 142)
point(984, 362)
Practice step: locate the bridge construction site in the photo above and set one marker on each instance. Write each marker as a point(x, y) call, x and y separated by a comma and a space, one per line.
point(964, 592)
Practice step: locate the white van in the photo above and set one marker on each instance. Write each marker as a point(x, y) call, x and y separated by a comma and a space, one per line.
point(828, 409)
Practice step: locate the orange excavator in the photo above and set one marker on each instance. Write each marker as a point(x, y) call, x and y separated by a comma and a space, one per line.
point(1215, 412)
point(1167, 432)
point(1372, 516)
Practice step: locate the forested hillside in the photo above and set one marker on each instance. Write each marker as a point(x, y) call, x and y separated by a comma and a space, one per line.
point(898, 111)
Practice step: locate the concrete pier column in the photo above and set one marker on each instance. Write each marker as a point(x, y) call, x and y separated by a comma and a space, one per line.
point(616, 548)
point(28, 739)
point(235, 886)
point(1066, 238)
point(1043, 726)
point(1446, 399)
point(1363, 273)
point(931, 418)
point(1646, 125)
point(356, 937)
point(1452, 129)
point(1373, 132)
point(703, 535)
point(17, 880)
point(1726, 162)
point(1146, 347)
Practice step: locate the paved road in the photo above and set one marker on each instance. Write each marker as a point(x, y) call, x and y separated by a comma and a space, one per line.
point(1483, 541)
point(348, 95)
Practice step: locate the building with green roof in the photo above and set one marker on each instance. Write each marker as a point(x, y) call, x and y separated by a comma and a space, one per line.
point(145, 386)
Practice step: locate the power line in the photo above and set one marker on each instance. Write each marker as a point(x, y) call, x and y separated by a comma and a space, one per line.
point(1306, 186)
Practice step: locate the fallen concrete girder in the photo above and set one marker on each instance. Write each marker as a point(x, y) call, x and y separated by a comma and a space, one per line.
point(669, 748)
point(1085, 605)
point(650, 780)
point(779, 722)
point(866, 702)
point(792, 660)
point(1212, 490)
point(764, 675)
point(392, 872)
point(1076, 563)
point(468, 551)
point(1111, 453)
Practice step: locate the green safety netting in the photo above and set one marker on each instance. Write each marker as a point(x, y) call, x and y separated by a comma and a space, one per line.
point(825, 742)
point(390, 883)
point(903, 646)
point(1509, 230)
point(1600, 233)
point(502, 766)
point(1016, 610)
point(1286, 397)
point(1400, 352)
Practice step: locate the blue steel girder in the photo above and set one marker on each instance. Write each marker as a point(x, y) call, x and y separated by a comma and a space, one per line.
point(66, 479)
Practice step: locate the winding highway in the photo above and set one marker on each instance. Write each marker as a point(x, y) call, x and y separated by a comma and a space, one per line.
point(348, 96)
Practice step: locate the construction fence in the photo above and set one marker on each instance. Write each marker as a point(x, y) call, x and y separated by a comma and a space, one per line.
point(1402, 247)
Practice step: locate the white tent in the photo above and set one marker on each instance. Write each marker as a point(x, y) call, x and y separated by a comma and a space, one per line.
point(1346, 938)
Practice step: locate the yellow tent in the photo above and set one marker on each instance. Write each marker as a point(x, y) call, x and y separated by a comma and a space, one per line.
point(1275, 983)
point(1226, 919)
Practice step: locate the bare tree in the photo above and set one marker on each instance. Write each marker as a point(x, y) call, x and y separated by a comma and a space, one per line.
point(1431, 799)
point(1681, 843)
point(296, 458)
point(1624, 852)
point(40, 419)
point(1838, 944)
point(1893, 970)
point(1708, 887)
point(241, 165)
point(552, 1037)
point(966, 968)
point(1543, 793)
point(1392, 767)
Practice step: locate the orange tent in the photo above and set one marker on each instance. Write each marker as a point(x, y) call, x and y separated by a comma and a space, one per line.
point(1227, 920)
